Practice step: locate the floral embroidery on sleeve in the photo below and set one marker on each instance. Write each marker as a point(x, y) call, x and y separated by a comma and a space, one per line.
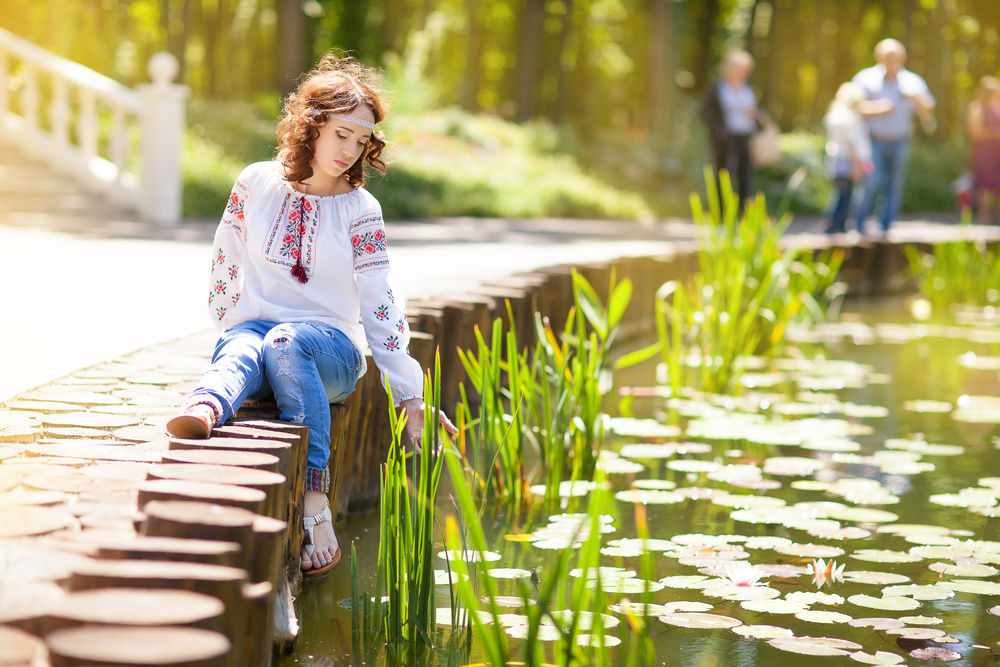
point(391, 297)
point(368, 244)
point(382, 313)
point(392, 343)
point(401, 324)
point(234, 214)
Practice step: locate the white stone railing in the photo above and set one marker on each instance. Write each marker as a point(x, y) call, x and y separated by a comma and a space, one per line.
point(93, 129)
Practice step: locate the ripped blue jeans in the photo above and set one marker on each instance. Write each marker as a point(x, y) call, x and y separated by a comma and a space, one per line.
point(305, 366)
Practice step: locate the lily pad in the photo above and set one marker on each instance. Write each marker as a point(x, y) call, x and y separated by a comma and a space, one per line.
point(469, 556)
point(762, 631)
point(508, 573)
point(648, 497)
point(886, 603)
point(644, 428)
point(963, 569)
point(822, 616)
point(863, 515)
point(875, 578)
point(654, 484)
point(885, 658)
point(935, 653)
point(885, 556)
point(814, 645)
point(647, 450)
point(877, 623)
point(928, 592)
point(972, 586)
point(774, 606)
point(921, 634)
point(700, 620)
point(921, 620)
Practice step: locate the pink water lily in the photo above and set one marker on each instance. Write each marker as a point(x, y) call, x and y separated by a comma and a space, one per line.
point(742, 573)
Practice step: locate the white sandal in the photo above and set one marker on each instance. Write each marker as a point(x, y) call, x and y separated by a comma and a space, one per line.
point(309, 524)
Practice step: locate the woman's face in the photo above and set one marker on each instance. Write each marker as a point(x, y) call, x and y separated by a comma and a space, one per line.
point(341, 143)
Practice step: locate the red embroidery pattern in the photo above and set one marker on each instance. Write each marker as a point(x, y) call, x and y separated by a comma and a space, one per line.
point(234, 214)
point(282, 244)
point(382, 313)
point(401, 324)
point(369, 244)
point(392, 343)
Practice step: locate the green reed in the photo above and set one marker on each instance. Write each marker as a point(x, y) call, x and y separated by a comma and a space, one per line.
point(548, 398)
point(554, 591)
point(405, 621)
point(961, 272)
point(747, 291)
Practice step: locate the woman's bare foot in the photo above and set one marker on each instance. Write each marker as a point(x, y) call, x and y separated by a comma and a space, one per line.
point(325, 540)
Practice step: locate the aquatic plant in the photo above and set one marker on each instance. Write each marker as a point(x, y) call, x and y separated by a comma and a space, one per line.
point(406, 618)
point(747, 291)
point(965, 271)
point(568, 613)
point(549, 398)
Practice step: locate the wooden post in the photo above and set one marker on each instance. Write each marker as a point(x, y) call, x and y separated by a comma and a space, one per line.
point(117, 645)
point(271, 483)
point(337, 497)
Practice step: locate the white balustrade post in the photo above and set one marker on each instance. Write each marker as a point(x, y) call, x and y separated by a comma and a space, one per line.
point(162, 137)
point(30, 97)
point(59, 112)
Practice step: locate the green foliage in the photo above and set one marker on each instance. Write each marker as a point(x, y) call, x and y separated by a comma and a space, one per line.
point(443, 163)
point(454, 163)
point(406, 621)
point(556, 590)
point(746, 292)
point(962, 272)
point(549, 399)
point(221, 140)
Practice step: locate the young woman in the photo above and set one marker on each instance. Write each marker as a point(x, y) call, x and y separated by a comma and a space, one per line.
point(300, 284)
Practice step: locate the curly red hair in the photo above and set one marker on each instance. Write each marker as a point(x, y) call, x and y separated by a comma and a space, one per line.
point(338, 85)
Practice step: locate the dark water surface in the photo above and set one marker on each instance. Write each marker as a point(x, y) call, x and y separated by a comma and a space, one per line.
point(920, 365)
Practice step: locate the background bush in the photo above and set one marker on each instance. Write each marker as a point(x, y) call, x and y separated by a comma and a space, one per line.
point(448, 162)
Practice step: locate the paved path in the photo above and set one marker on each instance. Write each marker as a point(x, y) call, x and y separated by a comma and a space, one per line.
point(76, 296)
point(76, 292)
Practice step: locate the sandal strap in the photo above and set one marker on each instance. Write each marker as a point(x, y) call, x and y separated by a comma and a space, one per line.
point(319, 518)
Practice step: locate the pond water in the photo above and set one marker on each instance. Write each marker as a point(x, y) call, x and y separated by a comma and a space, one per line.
point(872, 445)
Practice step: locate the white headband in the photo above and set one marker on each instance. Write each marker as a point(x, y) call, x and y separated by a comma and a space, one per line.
point(352, 119)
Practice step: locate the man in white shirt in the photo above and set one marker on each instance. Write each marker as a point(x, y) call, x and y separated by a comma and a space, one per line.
point(894, 94)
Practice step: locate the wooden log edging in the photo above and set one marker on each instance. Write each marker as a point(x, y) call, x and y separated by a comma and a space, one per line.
point(122, 515)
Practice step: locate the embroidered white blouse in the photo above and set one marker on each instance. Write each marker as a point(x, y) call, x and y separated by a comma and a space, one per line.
point(343, 248)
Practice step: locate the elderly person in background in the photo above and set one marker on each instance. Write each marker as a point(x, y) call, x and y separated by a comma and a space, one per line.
point(893, 96)
point(730, 110)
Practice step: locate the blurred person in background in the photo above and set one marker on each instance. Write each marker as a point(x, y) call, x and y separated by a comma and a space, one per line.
point(848, 152)
point(983, 128)
point(729, 108)
point(894, 95)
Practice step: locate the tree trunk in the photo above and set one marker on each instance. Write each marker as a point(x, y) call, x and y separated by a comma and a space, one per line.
point(661, 68)
point(529, 50)
point(705, 15)
point(561, 78)
point(292, 48)
point(473, 55)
